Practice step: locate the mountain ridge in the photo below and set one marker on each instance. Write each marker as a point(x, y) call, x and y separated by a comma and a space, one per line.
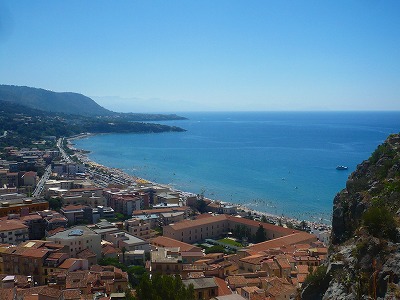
point(42, 99)
point(71, 103)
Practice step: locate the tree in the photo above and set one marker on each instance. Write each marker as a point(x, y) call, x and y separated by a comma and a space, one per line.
point(163, 287)
point(55, 203)
point(201, 206)
point(260, 235)
point(215, 249)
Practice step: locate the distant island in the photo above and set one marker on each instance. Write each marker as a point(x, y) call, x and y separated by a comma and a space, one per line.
point(35, 116)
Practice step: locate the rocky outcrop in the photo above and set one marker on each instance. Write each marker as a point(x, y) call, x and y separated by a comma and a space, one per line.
point(364, 256)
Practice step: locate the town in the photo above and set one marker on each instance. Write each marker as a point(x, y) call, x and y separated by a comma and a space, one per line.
point(73, 229)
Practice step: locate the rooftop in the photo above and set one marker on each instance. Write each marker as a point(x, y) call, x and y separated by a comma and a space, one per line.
point(73, 233)
point(163, 241)
point(201, 283)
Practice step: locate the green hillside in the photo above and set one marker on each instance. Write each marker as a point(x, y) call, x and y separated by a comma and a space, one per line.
point(69, 103)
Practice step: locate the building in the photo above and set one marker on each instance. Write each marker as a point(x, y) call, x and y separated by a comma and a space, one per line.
point(139, 228)
point(17, 203)
point(165, 242)
point(29, 258)
point(77, 239)
point(166, 261)
point(167, 198)
point(171, 217)
point(67, 169)
point(204, 288)
point(193, 231)
point(29, 178)
point(124, 240)
point(103, 227)
point(124, 201)
point(208, 226)
point(13, 232)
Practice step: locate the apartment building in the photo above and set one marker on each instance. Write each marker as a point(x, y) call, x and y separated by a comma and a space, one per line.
point(13, 232)
point(77, 239)
point(166, 261)
point(29, 258)
point(16, 203)
point(139, 228)
point(124, 240)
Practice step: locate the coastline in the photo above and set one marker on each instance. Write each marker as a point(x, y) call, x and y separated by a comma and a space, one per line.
point(125, 178)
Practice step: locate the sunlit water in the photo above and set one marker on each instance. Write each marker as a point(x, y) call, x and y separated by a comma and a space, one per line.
point(281, 163)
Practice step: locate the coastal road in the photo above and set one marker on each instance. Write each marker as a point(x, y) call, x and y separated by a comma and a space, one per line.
point(64, 155)
point(39, 186)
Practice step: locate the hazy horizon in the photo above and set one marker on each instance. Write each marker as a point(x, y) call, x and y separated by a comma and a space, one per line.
point(148, 56)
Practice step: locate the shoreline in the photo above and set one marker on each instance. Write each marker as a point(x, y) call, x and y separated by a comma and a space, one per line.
point(82, 156)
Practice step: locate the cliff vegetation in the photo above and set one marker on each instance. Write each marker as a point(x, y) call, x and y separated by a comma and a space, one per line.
point(364, 255)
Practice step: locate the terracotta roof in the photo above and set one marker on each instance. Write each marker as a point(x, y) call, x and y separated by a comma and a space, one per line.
point(35, 252)
point(272, 264)
point(31, 217)
point(267, 226)
point(108, 249)
point(254, 259)
point(159, 210)
point(167, 242)
point(73, 207)
point(237, 280)
point(291, 239)
point(223, 288)
point(302, 269)
point(6, 225)
point(39, 290)
point(68, 263)
point(56, 230)
point(197, 222)
point(71, 294)
point(85, 253)
point(301, 278)
point(283, 262)
point(205, 215)
point(7, 294)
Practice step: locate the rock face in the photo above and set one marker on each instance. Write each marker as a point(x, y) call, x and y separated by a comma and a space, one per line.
point(364, 256)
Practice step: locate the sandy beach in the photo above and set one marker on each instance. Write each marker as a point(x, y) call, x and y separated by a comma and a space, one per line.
point(121, 177)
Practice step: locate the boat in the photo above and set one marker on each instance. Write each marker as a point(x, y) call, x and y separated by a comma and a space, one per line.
point(341, 168)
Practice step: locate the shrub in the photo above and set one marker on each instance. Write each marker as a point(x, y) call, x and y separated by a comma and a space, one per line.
point(317, 277)
point(380, 222)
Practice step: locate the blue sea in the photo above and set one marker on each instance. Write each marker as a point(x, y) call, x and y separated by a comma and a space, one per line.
point(277, 162)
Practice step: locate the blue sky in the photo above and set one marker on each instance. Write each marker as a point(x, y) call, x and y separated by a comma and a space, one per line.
point(207, 55)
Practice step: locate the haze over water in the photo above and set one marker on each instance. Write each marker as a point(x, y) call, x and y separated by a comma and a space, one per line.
point(277, 162)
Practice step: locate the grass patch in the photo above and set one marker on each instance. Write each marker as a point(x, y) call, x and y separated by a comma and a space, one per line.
point(230, 242)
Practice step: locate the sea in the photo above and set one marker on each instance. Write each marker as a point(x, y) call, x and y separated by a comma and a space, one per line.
point(282, 163)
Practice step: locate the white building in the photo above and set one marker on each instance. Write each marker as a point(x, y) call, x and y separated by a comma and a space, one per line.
point(125, 240)
point(77, 239)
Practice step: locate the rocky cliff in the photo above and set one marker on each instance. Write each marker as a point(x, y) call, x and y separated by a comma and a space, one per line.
point(364, 255)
